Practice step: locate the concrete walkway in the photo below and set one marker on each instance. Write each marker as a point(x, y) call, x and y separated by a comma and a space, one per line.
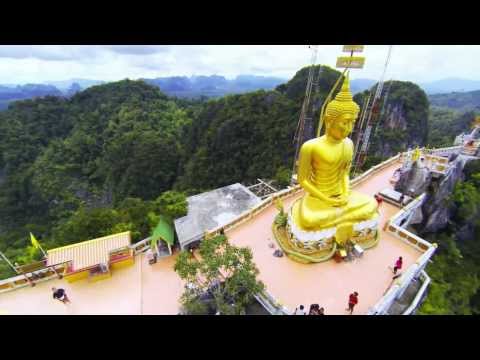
point(156, 289)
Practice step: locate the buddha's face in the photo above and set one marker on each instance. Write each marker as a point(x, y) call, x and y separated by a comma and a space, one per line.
point(341, 127)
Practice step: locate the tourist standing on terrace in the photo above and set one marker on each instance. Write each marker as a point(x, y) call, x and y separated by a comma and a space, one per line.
point(314, 309)
point(352, 301)
point(300, 311)
point(398, 265)
point(60, 295)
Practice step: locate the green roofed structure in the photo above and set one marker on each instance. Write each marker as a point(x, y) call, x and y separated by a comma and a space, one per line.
point(164, 232)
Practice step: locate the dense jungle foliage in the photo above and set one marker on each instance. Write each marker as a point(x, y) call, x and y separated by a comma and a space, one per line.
point(117, 156)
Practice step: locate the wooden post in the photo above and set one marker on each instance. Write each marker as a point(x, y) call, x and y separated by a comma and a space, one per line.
point(53, 267)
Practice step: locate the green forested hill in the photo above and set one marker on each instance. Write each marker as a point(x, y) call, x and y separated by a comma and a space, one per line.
point(107, 159)
point(403, 122)
point(60, 159)
point(72, 169)
point(294, 89)
point(445, 124)
point(240, 138)
point(461, 101)
point(455, 269)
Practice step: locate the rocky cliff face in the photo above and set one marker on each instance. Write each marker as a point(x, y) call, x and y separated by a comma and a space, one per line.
point(436, 210)
point(415, 180)
point(395, 118)
point(402, 120)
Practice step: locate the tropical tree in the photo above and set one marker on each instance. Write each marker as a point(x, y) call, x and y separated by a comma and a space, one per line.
point(223, 275)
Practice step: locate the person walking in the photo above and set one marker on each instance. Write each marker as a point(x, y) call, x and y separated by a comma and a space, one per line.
point(352, 301)
point(300, 311)
point(398, 265)
point(61, 295)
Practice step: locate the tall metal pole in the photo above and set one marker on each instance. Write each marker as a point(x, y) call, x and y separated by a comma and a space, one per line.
point(15, 269)
point(300, 132)
point(378, 93)
point(46, 258)
point(9, 263)
point(320, 123)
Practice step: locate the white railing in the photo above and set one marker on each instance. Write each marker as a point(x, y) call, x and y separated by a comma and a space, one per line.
point(140, 246)
point(247, 215)
point(447, 150)
point(20, 281)
point(408, 238)
point(401, 284)
point(416, 301)
point(407, 211)
point(392, 227)
point(374, 170)
point(287, 193)
point(270, 304)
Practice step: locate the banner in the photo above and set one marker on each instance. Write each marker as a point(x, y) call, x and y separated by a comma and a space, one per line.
point(35, 243)
point(353, 62)
point(354, 48)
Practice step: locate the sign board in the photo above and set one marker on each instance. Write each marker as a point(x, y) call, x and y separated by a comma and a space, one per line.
point(353, 62)
point(354, 48)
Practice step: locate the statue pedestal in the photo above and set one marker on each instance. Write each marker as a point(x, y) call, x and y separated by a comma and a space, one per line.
point(317, 246)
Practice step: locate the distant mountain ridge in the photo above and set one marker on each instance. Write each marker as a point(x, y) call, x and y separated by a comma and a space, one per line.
point(64, 85)
point(214, 85)
point(179, 86)
point(450, 85)
point(442, 86)
point(442, 93)
point(462, 101)
point(27, 91)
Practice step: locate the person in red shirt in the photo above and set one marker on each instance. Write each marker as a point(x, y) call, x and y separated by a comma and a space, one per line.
point(398, 265)
point(379, 199)
point(352, 301)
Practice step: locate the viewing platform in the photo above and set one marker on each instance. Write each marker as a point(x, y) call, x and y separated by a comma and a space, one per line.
point(328, 283)
point(156, 289)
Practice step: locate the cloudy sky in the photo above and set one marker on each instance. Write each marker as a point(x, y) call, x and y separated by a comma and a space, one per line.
point(418, 63)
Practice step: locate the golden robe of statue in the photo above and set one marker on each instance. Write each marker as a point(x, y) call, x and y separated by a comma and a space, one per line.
point(323, 172)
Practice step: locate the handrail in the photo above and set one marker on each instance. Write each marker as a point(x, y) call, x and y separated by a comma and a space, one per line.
point(420, 293)
point(12, 281)
point(291, 191)
point(400, 285)
point(141, 246)
point(407, 210)
point(286, 193)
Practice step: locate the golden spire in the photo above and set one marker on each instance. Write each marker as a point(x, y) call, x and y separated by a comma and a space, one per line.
point(343, 102)
point(344, 94)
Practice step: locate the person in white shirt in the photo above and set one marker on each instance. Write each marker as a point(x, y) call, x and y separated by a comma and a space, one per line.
point(300, 311)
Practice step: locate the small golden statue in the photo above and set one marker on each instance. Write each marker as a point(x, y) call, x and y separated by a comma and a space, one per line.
point(323, 172)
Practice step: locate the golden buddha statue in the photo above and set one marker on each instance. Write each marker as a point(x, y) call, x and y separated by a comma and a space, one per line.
point(323, 172)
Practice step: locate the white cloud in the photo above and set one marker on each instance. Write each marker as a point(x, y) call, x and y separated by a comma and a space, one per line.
point(418, 63)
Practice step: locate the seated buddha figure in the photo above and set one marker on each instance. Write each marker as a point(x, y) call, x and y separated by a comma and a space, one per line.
point(323, 172)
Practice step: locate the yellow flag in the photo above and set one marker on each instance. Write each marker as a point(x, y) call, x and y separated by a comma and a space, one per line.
point(35, 243)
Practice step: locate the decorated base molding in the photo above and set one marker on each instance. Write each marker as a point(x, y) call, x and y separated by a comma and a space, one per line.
point(318, 246)
point(323, 239)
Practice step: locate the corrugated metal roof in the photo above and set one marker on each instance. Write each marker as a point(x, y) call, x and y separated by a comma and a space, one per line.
point(89, 253)
point(211, 209)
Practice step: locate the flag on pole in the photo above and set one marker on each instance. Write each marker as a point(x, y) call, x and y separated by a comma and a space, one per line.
point(35, 243)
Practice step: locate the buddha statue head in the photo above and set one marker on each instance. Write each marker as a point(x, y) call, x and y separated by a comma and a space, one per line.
point(341, 113)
